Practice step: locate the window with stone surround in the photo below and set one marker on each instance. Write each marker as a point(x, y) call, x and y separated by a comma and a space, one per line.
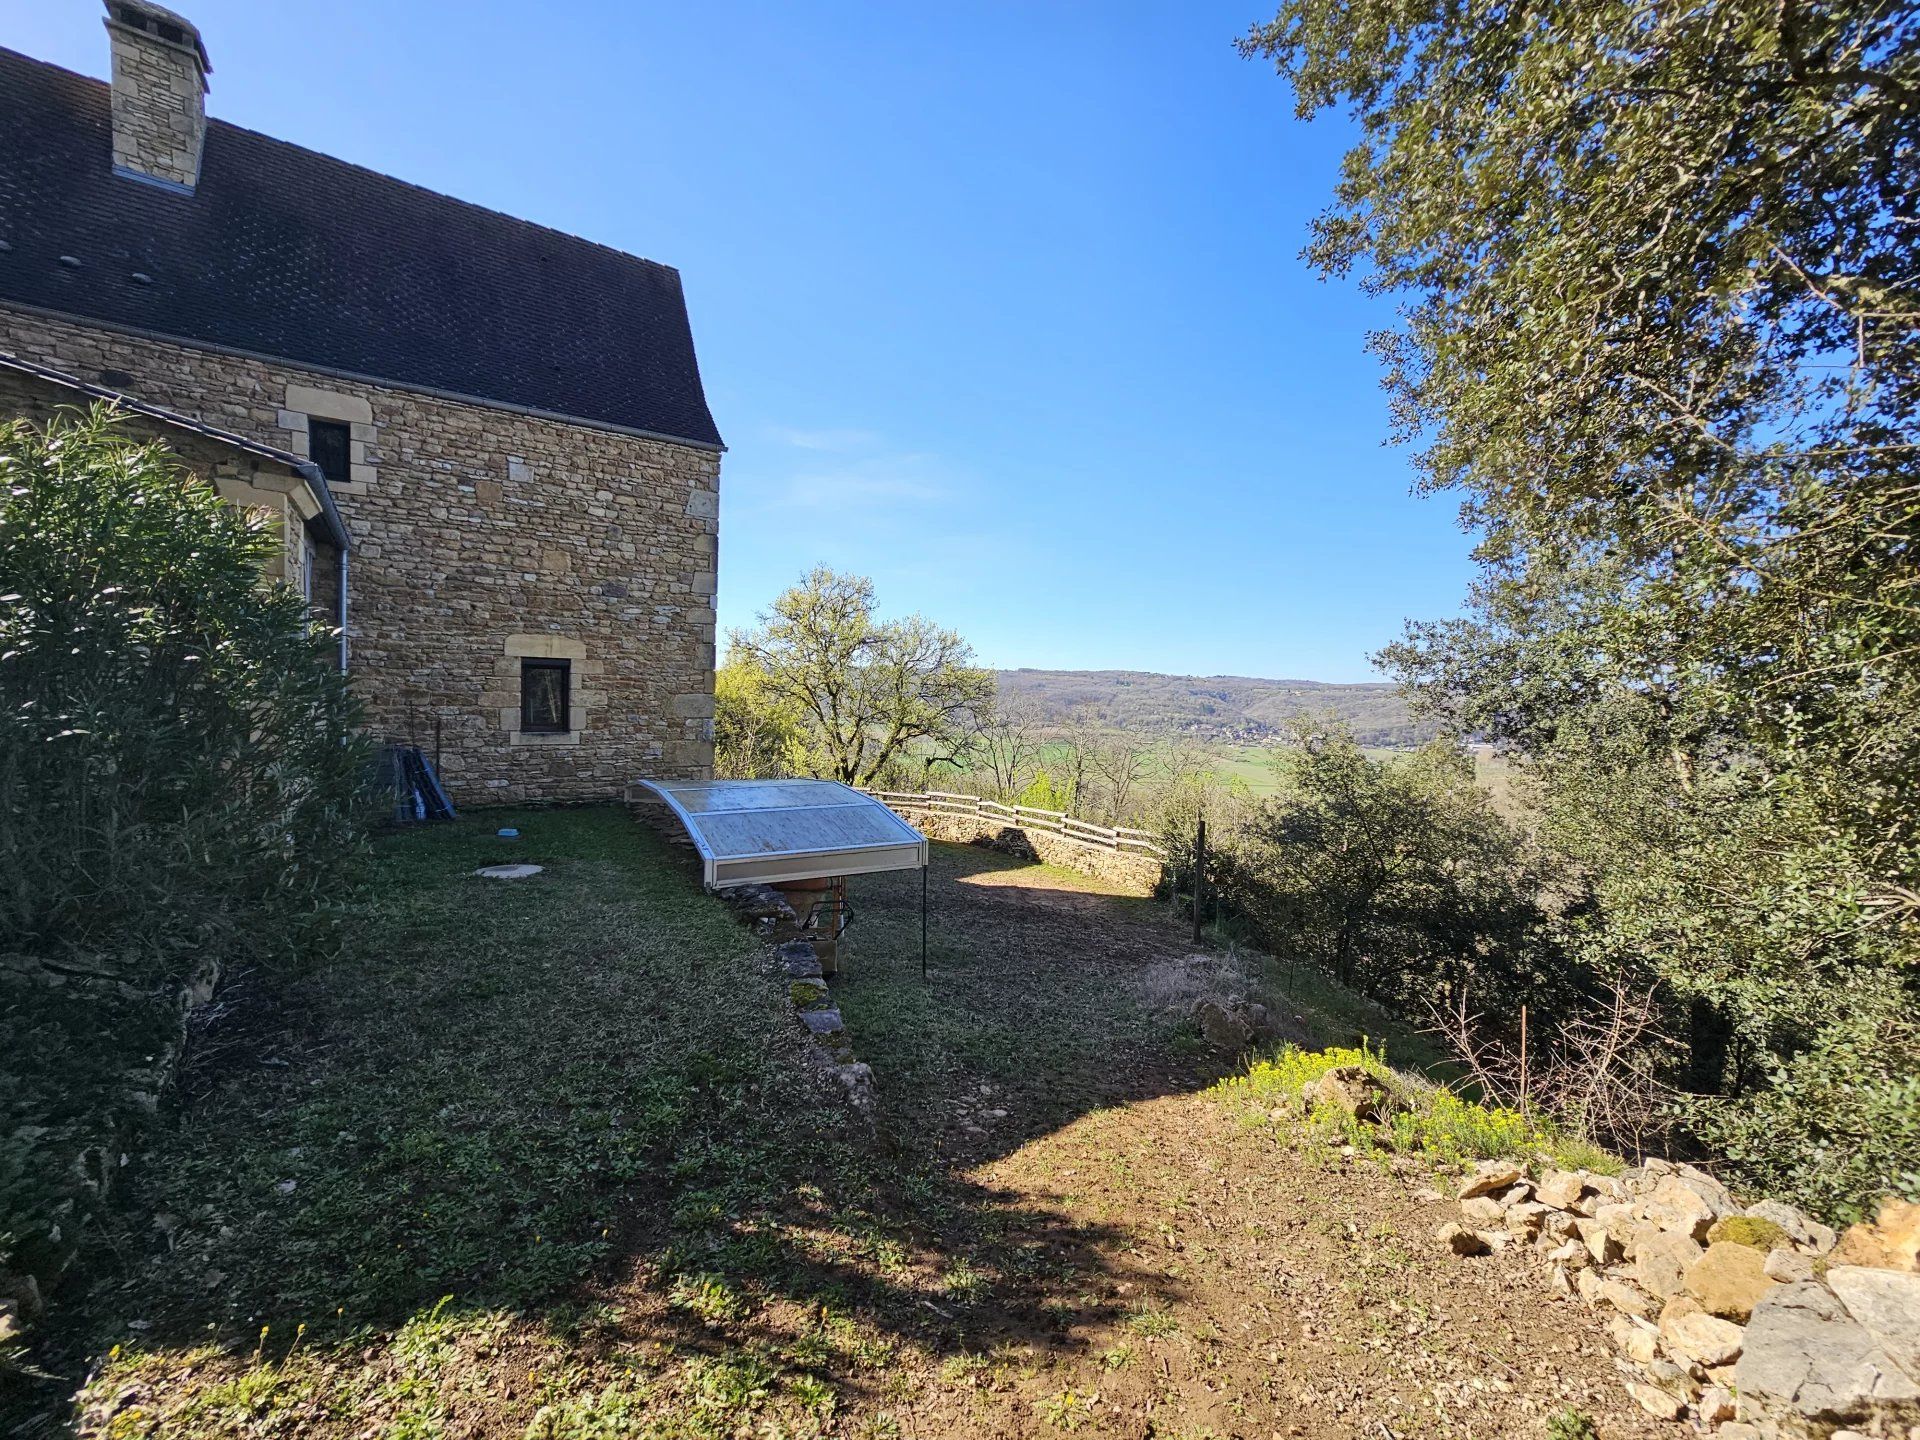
point(545, 694)
point(330, 446)
point(527, 701)
point(335, 430)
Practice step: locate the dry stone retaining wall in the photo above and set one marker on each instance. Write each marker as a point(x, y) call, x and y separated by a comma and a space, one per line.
point(797, 962)
point(1132, 869)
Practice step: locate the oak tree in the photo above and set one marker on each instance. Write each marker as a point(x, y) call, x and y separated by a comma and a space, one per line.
point(1657, 270)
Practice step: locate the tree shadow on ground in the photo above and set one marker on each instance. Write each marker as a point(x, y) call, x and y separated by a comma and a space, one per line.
point(1045, 996)
point(581, 1108)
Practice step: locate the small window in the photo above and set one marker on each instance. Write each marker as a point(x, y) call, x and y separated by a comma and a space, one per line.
point(543, 696)
point(330, 446)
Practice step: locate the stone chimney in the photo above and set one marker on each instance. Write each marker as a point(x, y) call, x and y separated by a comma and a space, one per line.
point(159, 95)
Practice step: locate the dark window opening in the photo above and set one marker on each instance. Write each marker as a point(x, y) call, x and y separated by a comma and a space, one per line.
point(330, 446)
point(544, 687)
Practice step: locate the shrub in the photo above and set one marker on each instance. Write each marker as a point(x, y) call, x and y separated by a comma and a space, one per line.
point(756, 735)
point(1281, 1077)
point(1835, 1128)
point(177, 754)
point(1397, 877)
point(178, 772)
point(1043, 792)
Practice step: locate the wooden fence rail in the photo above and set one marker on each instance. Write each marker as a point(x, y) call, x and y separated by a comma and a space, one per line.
point(1024, 817)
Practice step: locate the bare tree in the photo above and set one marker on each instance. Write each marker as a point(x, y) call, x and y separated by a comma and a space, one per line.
point(1121, 764)
point(1077, 743)
point(1183, 762)
point(1009, 748)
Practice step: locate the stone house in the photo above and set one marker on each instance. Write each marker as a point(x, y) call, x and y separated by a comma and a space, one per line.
point(488, 440)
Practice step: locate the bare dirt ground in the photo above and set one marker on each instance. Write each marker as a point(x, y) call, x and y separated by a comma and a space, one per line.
point(1241, 1283)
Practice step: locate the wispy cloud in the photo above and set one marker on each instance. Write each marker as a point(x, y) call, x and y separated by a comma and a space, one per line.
point(912, 519)
point(890, 479)
point(850, 470)
point(829, 439)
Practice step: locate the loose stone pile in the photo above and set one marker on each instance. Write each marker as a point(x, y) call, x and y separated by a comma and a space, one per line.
point(1756, 1321)
point(1233, 1025)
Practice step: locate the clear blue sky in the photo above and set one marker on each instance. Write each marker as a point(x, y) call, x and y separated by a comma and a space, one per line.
point(998, 303)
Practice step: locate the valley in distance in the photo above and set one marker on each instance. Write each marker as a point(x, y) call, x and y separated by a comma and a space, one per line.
point(1223, 710)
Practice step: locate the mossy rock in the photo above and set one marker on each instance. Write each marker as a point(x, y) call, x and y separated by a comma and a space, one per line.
point(808, 994)
point(1748, 1230)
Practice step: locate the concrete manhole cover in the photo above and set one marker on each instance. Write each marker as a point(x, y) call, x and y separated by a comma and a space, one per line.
point(508, 872)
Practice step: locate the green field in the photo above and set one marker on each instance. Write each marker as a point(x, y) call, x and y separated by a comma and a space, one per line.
point(1253, 765)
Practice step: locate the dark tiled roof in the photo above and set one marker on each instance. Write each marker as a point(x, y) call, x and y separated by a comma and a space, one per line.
point(304, 468)
point(287, 253)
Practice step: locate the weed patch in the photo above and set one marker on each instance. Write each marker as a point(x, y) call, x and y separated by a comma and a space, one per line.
point(1432, 1120)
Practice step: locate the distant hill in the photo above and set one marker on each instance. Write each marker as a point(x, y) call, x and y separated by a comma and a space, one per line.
point(1216, 708)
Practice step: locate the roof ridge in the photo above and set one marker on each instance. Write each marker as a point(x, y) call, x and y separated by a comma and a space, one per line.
point(215, 122)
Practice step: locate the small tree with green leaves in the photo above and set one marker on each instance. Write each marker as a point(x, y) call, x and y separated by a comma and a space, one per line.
point(867, 694)
point(756, 734)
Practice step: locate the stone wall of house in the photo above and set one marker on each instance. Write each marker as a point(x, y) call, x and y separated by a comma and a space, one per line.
point(482, 537)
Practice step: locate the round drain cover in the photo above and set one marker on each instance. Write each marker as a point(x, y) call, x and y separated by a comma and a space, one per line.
point(508, 872)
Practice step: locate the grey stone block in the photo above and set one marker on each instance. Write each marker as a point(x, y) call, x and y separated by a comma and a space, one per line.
point(801, 960)
point(1805, 1352)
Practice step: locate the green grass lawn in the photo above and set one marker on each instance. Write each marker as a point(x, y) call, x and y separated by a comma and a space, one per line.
point(497, 1092)
point(557, 1147)
point(453, 1103)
